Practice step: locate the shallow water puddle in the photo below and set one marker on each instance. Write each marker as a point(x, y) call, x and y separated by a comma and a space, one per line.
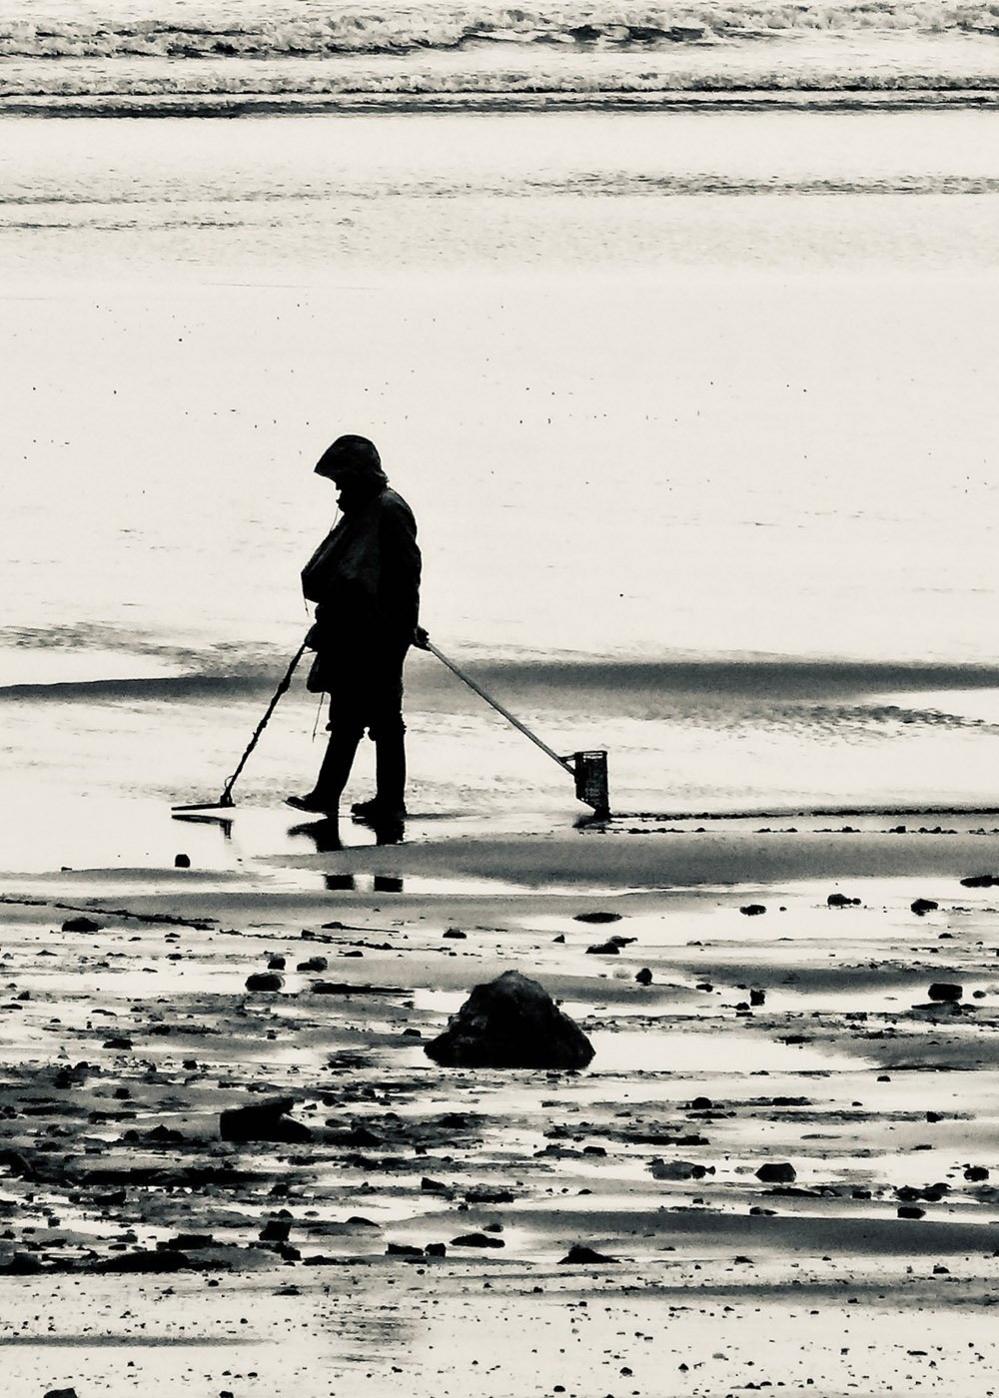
point(686, 1050)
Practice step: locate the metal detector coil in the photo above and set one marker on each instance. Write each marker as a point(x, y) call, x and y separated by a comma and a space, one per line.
point(589, 770)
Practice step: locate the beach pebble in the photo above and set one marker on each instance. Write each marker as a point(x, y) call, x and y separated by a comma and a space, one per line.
point(757, 997)
point(182, 861)
point(981, 881)
point(435, 1250)
point(946, 991)
point(611, 947)
point(975, 1173)
point(644, 976)
point(511, 1022)
point(753, 910)
point(455, 933)
point(679, 1170)
point(477, 1240)
point(579, 1253)
point(276, 963)
point(910, 1211)
point(777, 1172)
point(314, 963)
point(922, 906)
point(264, 980)
point(840, 900)
point(597, 917)
point(81, 924)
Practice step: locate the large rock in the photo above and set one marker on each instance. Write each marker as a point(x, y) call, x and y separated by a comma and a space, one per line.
point(266, 1120)
point(511, 1022)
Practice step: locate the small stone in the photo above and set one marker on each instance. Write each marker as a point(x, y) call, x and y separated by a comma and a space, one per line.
point(980, 881)
point(644, 976)
point(182, 861)
point(757, 997)
point(511, 1022)
point(910, 1211)
point(477, 1240)
point(922, 906)
point(264, 980)
point(777, 1172)
point(455, 934)
point(597, 917)
point(275, 963)
point(946, 991)
point(580, 1254)
point(61, 1393)
point(81, 924)
point(753, 910)
point(275, 1230)
point(840, 900)
point(976, 1173)
point(314, 963)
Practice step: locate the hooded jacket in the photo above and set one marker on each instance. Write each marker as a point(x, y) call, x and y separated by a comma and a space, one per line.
point(365, 575)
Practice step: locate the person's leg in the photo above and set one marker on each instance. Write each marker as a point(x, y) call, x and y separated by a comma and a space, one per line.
point(389, 732)
point(346, 731)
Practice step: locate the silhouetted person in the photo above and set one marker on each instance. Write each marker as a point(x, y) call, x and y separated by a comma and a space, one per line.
point(365, 580)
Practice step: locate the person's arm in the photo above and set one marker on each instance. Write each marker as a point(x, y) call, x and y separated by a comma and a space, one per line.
point(399, 574)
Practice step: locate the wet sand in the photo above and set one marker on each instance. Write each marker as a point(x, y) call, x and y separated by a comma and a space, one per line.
point(137, 1246)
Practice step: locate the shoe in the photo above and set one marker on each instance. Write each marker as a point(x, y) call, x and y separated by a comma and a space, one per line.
point(313, 803)
point(375, 810)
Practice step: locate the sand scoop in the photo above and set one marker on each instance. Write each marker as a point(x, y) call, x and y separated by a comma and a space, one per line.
point(587, 769)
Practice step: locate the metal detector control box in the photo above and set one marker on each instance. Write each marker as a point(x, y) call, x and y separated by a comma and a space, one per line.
point(590, 772)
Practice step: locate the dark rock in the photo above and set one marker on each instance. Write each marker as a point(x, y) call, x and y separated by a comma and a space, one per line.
point(61, 1393)
point(477, 1240)
point(644, 976)
point(579, 1254)
point(777, 1172)
point(757, 997)
point(611, 947)
point(981, 881)
point(701, 1104)
point(679, 1170)
point(275, 1230)
point(975, 1173)
point(118, 1041)
point(435, 1250)
point(21, 1264)
point(455, 933)
point(182, 861)
point(263, 1121)
point(264, 980)
point(922, 906)
point(946, 991)
point(840, 900)
point(403, 1250)
point(910, 1211)
point(81, 924)
point(597, 917)
point(752, 910)
point(276, 963)
point(511, 1022)
point(314, 963)
point(187, 1242)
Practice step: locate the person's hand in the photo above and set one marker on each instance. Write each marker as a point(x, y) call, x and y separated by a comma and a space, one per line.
point(421, 638)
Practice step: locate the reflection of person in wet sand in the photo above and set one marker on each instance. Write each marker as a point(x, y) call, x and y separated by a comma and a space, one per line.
point(365, 581)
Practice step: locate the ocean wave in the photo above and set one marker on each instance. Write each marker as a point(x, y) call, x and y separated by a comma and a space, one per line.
point(314, 30)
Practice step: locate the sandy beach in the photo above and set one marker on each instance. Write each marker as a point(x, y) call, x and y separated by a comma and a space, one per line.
point(139, 1243)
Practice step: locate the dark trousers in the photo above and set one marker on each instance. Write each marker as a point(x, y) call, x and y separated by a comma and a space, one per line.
point(366, 693)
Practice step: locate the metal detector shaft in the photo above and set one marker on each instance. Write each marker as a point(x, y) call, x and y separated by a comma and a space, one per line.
point(500, 709)
point(225, 799)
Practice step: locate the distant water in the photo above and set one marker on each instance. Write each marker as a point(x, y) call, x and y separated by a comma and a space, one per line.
point(119, 55)
point(693, 386)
